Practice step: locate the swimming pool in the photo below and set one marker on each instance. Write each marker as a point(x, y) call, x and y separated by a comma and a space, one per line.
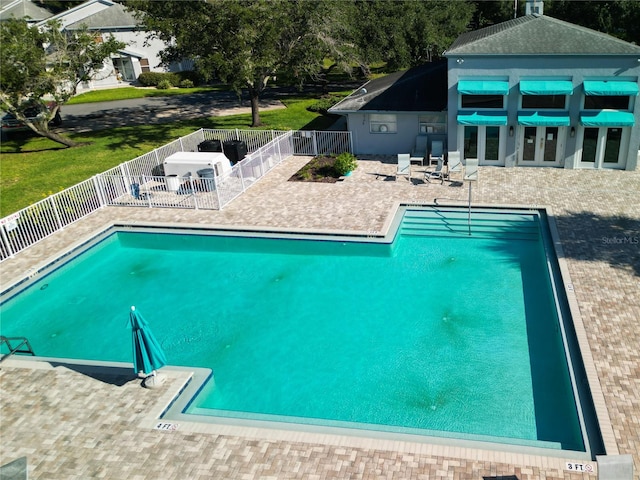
point(431, 332)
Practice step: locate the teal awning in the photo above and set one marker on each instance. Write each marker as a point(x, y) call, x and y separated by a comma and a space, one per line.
point(607, 118)
point(483, 87)
point(610, 87)
point(543, 119)
point(546, 87)
point(482, 118)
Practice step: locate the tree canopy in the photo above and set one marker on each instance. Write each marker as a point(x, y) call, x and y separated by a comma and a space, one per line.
point(43, 65)
point(248, 43)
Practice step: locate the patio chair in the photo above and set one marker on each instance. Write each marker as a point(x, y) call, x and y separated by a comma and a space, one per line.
point(419, 151)
point(437, 151)
point(404, 165)
point(471, 169)
point(454, 164)
point(437, 174)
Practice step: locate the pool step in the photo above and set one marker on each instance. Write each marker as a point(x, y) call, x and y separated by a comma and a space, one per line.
point(484, 223)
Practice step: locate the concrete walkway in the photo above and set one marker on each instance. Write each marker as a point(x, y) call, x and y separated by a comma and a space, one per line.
point(71, 424)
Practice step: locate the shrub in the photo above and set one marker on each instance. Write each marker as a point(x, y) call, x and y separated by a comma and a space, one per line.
point(345, 163)
point(186, 84)
point(150, 79)
point(153, 79)
point(164, 84)
point(324, 104)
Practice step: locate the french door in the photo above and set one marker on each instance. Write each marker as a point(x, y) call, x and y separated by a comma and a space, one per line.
point(541, 146)
point(604, 147)
point(486, 143)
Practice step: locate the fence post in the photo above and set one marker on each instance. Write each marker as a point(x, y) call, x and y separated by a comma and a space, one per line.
point(215, 187)
point(315, 144)
point(181, 146)
point(99, 192)
point(55, 212)
point(350, 142)
point(237, 134)
point(193, 192)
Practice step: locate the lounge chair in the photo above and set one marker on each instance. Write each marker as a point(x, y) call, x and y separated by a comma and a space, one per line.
point(419, 151)
point(437, 174)
point(471, 169)
point(404, 165)
point(437, 151)
point(454, 165)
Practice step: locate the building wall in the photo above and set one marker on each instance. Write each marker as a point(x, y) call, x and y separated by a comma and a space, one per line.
point(403, 141)
point(575, 68)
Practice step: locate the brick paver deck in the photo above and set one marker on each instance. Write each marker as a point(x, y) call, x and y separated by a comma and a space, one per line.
point(74, 425)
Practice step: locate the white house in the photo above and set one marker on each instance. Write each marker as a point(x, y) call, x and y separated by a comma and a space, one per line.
point(106, 17)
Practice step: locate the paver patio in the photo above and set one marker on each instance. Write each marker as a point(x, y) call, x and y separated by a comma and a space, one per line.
point(73, 425)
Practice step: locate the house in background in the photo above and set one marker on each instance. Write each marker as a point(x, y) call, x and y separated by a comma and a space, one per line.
point(386, 115)
point(532, 91)
point(23, 9)
point(105, 17)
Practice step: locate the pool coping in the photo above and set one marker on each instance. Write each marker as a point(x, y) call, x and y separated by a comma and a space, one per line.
point(433, 445)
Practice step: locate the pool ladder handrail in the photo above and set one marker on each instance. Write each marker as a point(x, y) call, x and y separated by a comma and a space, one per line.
point(17, 349)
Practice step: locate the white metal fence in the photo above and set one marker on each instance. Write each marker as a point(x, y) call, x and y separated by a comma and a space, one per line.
point(141, 182)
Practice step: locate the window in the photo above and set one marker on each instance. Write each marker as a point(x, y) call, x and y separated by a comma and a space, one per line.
point(538, 102)
point(144, 64)
point(433, 123)
point(482, 101)
point(614, 102)
point(382, 123)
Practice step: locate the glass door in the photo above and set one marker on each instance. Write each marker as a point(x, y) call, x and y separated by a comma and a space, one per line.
point(542, 146)
point(486, 143)
point(604, 147)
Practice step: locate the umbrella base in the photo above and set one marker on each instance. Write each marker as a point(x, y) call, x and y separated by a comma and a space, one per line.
point(154, 381)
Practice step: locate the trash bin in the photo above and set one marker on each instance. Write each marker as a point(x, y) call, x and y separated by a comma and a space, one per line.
point(206, 175)
point(210, 146)
point(235, 150)
point(173, 183)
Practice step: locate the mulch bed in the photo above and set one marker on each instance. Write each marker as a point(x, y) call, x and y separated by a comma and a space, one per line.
point(319, 169)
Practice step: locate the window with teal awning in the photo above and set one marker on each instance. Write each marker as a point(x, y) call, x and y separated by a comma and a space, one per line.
point(544, 119)
point(546, 87)
point(607, 118)
point(482, 118)
point(610, 87)
point(483, 87)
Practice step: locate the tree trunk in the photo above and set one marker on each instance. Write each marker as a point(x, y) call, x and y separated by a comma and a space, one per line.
point(255, 107)
point(59, 138)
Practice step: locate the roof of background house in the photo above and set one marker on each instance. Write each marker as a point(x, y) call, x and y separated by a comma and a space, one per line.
point(116, 16)
point(539, 35)
point(419, 89)
point(21, 9)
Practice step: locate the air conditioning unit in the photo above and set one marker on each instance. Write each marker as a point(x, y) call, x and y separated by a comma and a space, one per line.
point(383, 128)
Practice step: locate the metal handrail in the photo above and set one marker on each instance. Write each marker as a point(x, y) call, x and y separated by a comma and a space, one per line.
point(17, 349)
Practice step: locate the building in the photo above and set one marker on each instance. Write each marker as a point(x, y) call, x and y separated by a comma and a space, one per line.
point(532, 91)
point(105, 17)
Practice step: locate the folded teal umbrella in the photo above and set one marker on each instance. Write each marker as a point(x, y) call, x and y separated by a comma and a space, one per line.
point(147, 352)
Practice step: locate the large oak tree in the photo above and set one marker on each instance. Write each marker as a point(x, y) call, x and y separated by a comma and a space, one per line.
point(247, 43)
point(43, 66)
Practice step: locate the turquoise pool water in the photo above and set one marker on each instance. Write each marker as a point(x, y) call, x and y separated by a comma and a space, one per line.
point(435, 333)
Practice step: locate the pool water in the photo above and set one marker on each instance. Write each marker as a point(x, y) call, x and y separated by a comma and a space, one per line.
point(441, 334)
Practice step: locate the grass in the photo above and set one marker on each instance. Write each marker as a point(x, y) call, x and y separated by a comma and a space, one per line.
point(129, 93)
point(33, 168)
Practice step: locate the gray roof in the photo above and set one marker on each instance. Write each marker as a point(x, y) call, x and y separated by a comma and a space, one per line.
point(22, 9)
point(419, 89)
point(116, 16)
point(539, 35)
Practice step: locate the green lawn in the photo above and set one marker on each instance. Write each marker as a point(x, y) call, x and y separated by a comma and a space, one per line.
point(128, 93)
point(33, 168)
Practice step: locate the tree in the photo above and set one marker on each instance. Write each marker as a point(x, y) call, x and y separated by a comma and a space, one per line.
point(40, 66)
point(408, 33)
point(248, 43)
